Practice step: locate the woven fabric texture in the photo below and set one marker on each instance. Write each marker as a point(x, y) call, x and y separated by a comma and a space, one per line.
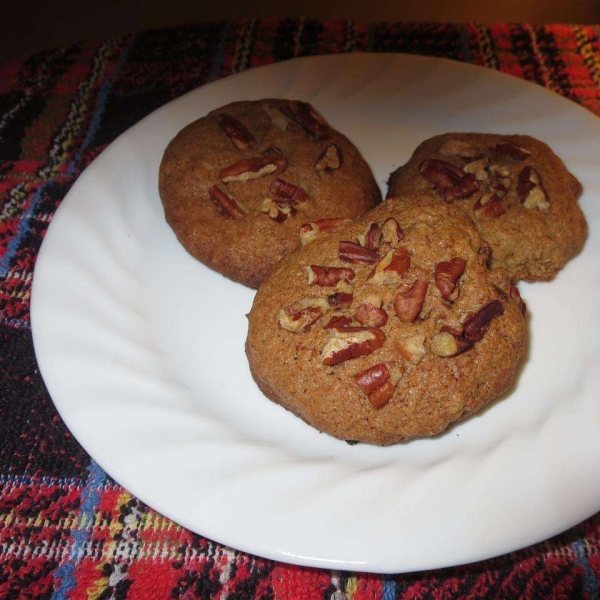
point(67, 531)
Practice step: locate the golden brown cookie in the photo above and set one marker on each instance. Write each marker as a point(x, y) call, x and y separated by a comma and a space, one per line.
point(387, 328)
point(518, 192)
point(237, 184)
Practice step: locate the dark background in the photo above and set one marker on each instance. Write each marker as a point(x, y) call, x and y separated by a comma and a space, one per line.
point(30, 26)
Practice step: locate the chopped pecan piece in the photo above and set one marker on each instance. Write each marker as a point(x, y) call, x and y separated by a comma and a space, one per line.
point(488, 207)
point(370, 239)
point(391, 233)
point(372, 378)
point(379, 382)
point(340, 299)
point(289, 192)
point(229, 206)
point(310, 231)
point(511, 150)
point(408, 305)
point(278, 118)
point(240, 137)
point(355, 254)
point(252, 168)
point(371, 314)
point(394, 262)
point(450, 181)
point(412, 348)
point(302, 315)
point(476, 324)
point(338, 321)
point(310, 120)
point(330, 159)
point(278, 212)
point(347, 343)
point(530, 189)
point(328, 276)
point(447, 275)
point(449, 343)
point(477, 168)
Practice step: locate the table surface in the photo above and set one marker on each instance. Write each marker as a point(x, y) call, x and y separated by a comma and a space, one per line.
point(66, 529)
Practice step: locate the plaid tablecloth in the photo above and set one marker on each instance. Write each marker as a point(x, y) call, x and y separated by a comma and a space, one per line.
point(66, 529)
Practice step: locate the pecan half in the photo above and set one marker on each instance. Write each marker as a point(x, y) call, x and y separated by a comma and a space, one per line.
point(328, 276)
point(391, 232)
point(278, 212)
point(488, 207)
point(278, 118)
point(228, 206)
point(330, 159)
point(372, 378)
point(447, 275)
point(408, 305)
point(302, 315)
point(252, 168)
point(394, 262)
point(476, 324)
point(530, 189)
point(347, 343)
point(289, 192)
point(379, 382)
point(370, 239)
point(240, 137)
point(371, 315)
point(355, 254)
point(310, 120)
point(449, 343)
point(512, 150)
point(412, 348)
point(310, 231)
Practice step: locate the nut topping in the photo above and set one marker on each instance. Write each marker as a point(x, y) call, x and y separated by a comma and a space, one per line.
point(391, 233)
point(477, 168)
point(355, 254)
point(328, 276)
point(476, 324)
point(408, 305)
point(229, 207)
point(240, 137)
point(378, 383)
point(447, 275)
point(330, 159)
point(252, 168)
point(278, 118)
point(278, 212)
point(370, 239)
point(310, 120)
point(450, 181)
point(488, 207)
point(309, 231)
point(302, 315)
point(347, 343)
point(511, 150)
point(289, 192)
point(371, 314)
point(531, 191)
point(338, 321)
point(449, 343)
point(372, 378)
point(412, 348)
point(340, 299)
point(395, 261)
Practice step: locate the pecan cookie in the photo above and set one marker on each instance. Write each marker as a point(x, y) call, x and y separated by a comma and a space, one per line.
point(237, 183)
point(519, 194)
point(387, 328)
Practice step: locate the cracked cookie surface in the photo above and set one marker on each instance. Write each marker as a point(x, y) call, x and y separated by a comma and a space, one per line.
point(387, 328)
point(519, 194)
point(237, 184)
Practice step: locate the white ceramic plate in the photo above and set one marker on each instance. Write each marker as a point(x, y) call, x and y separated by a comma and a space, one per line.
point(142, 348)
